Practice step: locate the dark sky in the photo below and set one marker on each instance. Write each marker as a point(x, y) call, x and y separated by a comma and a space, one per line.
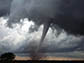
point(67, 14)
point(67, 21)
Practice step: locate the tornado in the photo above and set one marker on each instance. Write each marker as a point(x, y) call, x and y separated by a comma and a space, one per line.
point(45, 30)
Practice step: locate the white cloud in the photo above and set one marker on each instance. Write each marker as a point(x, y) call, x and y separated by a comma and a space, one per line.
point(17, 36)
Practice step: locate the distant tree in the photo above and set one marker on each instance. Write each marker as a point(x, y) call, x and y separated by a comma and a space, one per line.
point(7, 57)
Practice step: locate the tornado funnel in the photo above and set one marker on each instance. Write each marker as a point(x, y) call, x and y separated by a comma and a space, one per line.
point(45, 30)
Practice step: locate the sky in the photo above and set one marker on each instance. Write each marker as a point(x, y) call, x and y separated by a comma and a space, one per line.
point(22, 23)
point(22, 40)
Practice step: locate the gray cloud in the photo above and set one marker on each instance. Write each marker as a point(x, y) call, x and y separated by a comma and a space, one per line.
point(62, 14)
point(63, 43)
point(67, 14)
point(5, 7)
point(22, 41)
point(70, 12)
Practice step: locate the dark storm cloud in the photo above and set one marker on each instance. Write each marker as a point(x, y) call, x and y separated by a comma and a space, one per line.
point(5, 7)
point(62, 43)
point(67, 14)
point(71, 16)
